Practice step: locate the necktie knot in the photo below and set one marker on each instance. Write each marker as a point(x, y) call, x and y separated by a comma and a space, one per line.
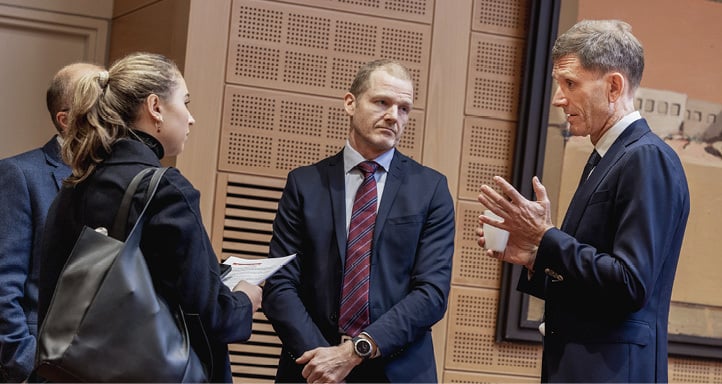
point(368, 167)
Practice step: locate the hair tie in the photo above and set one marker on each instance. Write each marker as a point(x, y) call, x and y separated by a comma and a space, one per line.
point(103, 77)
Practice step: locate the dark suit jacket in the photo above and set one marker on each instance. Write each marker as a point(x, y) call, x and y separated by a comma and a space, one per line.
point(174, 241)
point(410, 266)
point(29, 183)
point(616, 254)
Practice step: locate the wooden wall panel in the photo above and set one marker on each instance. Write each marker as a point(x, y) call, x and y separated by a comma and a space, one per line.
point(471, 267)
point(683, 370)
point(484, 378)
point(502, 17)
point(407, 10)
point(267, 132)
point(242, 227)
point(495, 68)
point(470, 337)
point(487, 152)
point(310, 50)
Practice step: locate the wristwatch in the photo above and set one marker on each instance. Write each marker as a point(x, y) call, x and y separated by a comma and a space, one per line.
point(362, 347)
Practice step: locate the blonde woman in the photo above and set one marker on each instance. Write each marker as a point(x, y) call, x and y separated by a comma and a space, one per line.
point(122, 121)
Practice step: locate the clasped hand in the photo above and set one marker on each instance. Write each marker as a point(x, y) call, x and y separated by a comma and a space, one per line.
point(525, 220)
point(329, 364)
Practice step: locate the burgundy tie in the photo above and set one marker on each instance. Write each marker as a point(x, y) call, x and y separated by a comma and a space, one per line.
point(355, 295)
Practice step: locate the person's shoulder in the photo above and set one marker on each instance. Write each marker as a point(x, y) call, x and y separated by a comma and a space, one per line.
point(175, 178)
point(410, 165)
point(28, 163)
point(31, 156)
point(330, 161)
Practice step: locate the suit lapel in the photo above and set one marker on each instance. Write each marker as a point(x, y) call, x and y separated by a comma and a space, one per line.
point(394, 179)
point(584, 193)
point(60, 171)
point(337, 186)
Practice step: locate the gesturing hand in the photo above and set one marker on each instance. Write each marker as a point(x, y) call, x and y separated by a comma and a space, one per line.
point(526, 220)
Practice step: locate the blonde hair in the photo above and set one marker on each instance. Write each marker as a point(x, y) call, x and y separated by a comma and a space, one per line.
point(106, 104)
point(361, 81)
point(59, 95)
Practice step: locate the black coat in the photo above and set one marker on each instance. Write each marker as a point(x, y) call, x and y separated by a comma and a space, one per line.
point(174, 241)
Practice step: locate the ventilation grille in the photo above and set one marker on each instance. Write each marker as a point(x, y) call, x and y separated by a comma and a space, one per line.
point(245, 209)
point(316, 51)
point(243, 226)
point(269, 133)
point(256, 360)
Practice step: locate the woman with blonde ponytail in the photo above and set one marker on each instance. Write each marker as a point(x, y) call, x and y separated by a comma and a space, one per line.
point(122, 121)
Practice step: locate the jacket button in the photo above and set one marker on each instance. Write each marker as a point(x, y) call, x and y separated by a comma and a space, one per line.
point(334, 317)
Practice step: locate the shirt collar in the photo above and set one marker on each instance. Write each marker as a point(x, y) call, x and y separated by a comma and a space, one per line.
point(351, 158)
point(609, 137)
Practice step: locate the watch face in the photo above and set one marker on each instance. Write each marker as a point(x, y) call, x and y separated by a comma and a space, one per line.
point(362, 347)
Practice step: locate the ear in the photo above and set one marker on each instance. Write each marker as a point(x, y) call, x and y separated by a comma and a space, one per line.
point(349, 103)
point(617, 86)
point(62, 119)
point(152, 107)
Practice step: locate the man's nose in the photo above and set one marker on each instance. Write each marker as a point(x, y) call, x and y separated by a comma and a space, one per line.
point(558, 99)
point(392, 113)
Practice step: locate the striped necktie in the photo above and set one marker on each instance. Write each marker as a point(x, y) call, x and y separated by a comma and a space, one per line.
point(355, 295)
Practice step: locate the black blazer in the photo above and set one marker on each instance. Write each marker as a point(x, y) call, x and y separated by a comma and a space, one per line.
point(177, 248)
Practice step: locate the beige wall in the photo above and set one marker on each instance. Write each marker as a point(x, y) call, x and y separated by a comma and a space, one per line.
point(38, 37)
point(682, 41)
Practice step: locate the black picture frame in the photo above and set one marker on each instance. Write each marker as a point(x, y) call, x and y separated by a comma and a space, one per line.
point(513, 322)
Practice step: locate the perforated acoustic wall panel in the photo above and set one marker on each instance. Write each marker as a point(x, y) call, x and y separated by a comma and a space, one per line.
point(487, 151)
point(470, 345)
point(485, 378)
point(471, 266)
point(317, 51)
point(269, 132)
point(495, 68)
point(496, 52)
point(683, 370)
point(501, 17)
point(409, 10)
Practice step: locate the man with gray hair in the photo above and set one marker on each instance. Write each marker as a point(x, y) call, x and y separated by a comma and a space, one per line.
point(606, 274)
point(28, 183)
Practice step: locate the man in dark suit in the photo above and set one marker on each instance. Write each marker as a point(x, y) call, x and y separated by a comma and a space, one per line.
point(402, 290)
point(29, 183)
point(606, 274)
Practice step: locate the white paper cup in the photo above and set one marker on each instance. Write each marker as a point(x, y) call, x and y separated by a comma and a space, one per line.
point(496, 238)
